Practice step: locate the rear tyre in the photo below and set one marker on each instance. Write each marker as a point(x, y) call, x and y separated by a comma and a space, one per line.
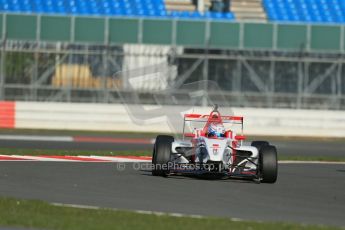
point(268, 164)
point(161, 155)
point(259, 144)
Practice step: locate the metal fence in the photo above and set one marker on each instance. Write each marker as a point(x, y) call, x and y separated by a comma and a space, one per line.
point(215, 34)
point(151, 74)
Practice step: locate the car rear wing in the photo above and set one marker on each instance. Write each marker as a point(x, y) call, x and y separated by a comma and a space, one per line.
point(205, 118)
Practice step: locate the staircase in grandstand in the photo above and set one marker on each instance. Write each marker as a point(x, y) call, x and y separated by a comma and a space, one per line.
point(248, 10)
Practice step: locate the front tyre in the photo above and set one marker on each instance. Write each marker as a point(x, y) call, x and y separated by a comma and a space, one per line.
point(268, 164)
point(259, 144)
point(161, 155)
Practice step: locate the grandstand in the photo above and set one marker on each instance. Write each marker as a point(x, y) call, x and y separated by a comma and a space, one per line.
point(308, 11)
point(131, 8)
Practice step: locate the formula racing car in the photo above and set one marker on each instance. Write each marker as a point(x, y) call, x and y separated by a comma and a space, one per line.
point(214, 149)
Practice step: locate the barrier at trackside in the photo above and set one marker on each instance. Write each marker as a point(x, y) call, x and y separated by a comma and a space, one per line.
point(7, 114)
point(117, 117)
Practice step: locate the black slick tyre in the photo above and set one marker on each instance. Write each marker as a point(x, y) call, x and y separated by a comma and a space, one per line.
point(259, 144)
point(161, 155)
point(268, 164)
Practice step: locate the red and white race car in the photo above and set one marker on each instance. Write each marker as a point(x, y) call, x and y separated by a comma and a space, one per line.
point(214, 149)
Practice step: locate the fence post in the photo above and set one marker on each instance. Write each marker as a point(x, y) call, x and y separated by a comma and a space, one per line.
point(206, 64)
point(299, 85)
point(2, 58)
point(2, 71)
point(271, 84)
point(34, 74)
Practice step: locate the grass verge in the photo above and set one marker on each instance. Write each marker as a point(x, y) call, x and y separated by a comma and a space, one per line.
point(42, 215)
point(38, 152)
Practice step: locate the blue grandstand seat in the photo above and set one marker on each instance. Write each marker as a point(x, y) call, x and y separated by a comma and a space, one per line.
point(141, 8)
point(313, 11)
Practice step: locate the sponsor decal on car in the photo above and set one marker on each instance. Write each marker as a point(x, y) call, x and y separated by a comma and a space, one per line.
point(215, 148)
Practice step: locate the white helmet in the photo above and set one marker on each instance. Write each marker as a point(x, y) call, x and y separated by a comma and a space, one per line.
point(216, 130)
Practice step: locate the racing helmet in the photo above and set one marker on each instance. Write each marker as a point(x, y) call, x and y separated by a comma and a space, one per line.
point(216, 130)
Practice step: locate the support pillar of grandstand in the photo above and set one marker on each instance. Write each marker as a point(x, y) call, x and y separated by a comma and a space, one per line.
point(201, 6)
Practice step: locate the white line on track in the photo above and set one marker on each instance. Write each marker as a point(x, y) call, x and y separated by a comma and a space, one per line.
point(36, 138)
point(312, 162)
point(76, 206)
point(122, 159)
point(174, 214)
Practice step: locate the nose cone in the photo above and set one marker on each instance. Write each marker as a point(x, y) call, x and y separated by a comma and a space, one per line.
point(216, 148)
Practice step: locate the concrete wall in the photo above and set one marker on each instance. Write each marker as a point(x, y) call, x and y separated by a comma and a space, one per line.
point(117, 117)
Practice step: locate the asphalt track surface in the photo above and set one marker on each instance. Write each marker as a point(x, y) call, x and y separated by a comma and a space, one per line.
point(284, 147)
point(304, 193)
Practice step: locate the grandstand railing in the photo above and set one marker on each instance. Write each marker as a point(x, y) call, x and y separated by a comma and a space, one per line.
point(214, 34)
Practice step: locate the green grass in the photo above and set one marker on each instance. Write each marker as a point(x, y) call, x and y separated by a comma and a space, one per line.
point(42, 215)
point(37, 152)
